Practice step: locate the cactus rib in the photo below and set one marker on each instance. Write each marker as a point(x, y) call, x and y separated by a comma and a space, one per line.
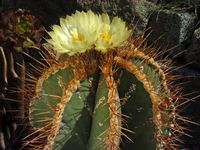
point(147, 85)
point(66, 96)
point(159, 116)
point(140, 54)
point(114, 131)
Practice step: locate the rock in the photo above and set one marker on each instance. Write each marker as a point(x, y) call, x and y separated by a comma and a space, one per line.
point(193, 52)
point(144, 9)
point(186, 2)
point(131, 11)
point(171, 29)
point(111, 7)
point(197, 11)
point(154, 1)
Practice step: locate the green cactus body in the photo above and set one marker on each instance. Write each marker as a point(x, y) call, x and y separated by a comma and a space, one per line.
point(69, 112)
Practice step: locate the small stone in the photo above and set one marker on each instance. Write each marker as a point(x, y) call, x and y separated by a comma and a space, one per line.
point(171, 29)
point(193, 52)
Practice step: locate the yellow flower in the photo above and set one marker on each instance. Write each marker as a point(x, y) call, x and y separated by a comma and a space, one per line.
point(113, 34)
point(76, 33)
point(85, 30)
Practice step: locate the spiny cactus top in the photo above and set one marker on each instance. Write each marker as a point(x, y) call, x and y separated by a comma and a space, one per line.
point(85, 30)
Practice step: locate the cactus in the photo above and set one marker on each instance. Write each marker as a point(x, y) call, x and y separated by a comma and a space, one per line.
point(98, 87)
point(101, 89)
point(63, 113)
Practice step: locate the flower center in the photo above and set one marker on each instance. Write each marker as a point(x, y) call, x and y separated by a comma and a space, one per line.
point(76, 36)
point(106, 36)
